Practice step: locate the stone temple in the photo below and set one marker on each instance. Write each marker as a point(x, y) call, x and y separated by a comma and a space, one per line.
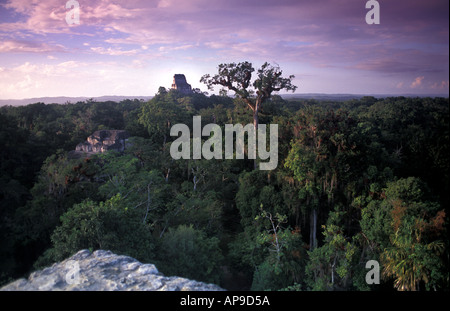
point(101, 141)
point(180, 84)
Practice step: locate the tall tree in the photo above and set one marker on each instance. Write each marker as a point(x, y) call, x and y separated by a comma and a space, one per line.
point(237, 78)
point(322, 159)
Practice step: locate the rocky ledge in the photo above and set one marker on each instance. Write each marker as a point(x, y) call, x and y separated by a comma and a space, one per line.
point(104, 271)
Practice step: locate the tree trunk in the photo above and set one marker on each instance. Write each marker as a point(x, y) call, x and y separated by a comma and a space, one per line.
point(167, 176)
point(313, 230)
point(332, 274)
point(148, 203)
point(255, 118)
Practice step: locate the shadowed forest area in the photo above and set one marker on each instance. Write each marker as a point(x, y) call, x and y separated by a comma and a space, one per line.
point(357, 180)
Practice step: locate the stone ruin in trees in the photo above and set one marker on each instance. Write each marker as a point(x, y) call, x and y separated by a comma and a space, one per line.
point(102, 141)
point(180, 84)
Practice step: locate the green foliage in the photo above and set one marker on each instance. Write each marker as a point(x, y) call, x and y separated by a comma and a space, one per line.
point(370, 174)
point(185, 251)
point(254, 191)
point(285, 259)
point(375, 223)
point(404, 228)
point(411, 261)
point(330, 265)
point(62, 182)
point(415, 252)
point(110, 225)
point(200, 209)
point(161, 113)
point(267, 277)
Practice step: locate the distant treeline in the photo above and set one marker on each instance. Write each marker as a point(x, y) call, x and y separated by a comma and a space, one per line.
point(357, 180)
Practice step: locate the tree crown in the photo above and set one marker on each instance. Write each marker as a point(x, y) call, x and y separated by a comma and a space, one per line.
point(237, 77)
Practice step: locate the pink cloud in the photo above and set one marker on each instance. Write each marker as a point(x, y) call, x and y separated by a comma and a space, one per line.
point(417, 82)
point(443, 85)
point(331, 37)
point(169, 21)
point(113, 52)
point(22, 46)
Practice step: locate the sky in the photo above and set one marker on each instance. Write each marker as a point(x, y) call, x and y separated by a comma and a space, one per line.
point(131, 48)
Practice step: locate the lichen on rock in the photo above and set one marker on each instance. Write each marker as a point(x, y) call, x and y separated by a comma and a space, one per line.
point(104, 271)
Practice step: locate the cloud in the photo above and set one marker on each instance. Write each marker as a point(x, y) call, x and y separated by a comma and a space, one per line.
point(101, 11)
point(40, 16)
point(14, 84)
point(417, 82)
point(36, 71)
point(22, 46)
point(443, 85)
point(113, 52)
point(26, 68)
point(44, 17)
point(238, 23)
point(169, 48)
point(386, 65)
point(331, 38)
point(73, 78)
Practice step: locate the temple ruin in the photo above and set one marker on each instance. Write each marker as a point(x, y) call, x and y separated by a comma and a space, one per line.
point(180, 84)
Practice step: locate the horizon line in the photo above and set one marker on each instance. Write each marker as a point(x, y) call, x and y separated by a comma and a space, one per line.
point(4, 102)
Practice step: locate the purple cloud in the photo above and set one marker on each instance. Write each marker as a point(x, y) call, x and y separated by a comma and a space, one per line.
point(321, 37)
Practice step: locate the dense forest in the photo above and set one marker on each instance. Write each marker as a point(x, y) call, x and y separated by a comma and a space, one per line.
point(356, 180)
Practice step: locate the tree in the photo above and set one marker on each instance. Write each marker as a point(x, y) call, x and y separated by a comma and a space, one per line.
point(237, 78)
point(417, 224)
point(404, 228)
point(284, 262)
point(188, 252)
point(330, 265)
point(322, 158)
point(108, 225)
point(254, 190)
point(411, 261)
point(160, 113)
